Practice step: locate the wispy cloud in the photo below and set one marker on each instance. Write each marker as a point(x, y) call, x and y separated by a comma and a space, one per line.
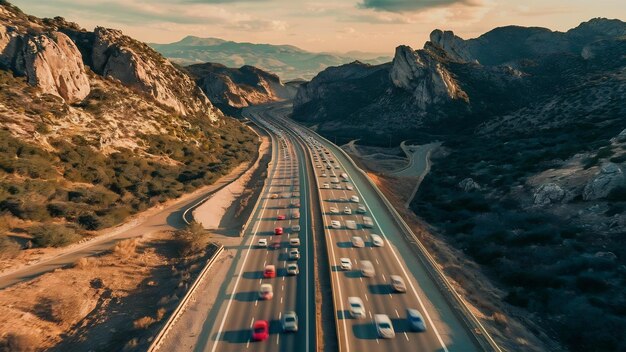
point(409, 5)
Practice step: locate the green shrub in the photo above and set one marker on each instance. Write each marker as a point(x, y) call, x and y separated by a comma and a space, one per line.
point(54, 235)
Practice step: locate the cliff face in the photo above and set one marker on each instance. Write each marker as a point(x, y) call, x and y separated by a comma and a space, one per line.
point(53, 53)
point(239, 87)
point(49, 60)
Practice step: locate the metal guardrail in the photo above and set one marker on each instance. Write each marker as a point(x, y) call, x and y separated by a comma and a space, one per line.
point(480, 334)
point(162, 335)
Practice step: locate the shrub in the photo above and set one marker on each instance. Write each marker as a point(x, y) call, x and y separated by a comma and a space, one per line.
point(12, 342)
point(192, 239)
point(8, 247)
point(54, 235)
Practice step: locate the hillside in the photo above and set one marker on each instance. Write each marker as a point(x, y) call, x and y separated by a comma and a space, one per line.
point(530, 180)
point(96, 126)
point(286, 61)
point(231, 89)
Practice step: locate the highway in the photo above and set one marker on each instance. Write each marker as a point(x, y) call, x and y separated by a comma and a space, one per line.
point(444, 330)
point(285, 193)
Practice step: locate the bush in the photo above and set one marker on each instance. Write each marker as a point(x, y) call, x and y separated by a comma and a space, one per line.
point(13, 342)
point(192, 239)
point(54, 235)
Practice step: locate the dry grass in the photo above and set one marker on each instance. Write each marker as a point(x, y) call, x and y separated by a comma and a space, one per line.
point(145, 322)
point(125, 249)
point(17, 342)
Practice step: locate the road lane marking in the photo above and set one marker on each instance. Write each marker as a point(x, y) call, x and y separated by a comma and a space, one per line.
point(397, 314)
point(406, 336)
point(366, 298)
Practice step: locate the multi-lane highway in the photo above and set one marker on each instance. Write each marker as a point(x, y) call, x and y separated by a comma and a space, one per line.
point(351, 210)
point(282, 217)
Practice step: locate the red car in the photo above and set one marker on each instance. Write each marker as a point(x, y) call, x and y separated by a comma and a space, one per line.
point(280, 217)
point(278, 231)
point(269, 272)
point(260, 330)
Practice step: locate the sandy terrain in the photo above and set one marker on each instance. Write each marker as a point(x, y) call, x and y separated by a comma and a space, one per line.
point(102, 302)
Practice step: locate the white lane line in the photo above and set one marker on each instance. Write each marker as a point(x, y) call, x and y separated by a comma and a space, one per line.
point(277, 338)
point(377, 261)
point(366, 298)
point(384, 277)
point(281, 300)
point(443, 345)
point(397, 314)
point(243, 265)
point(248, 344)
point(406, 336)
point(251, 322)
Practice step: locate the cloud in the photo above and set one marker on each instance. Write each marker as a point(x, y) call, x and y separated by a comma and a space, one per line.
point(409, 5)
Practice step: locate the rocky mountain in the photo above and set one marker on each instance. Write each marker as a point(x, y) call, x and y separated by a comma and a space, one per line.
point(235, 88)
point(529, 182)
point(96, 126)
point(287, 61)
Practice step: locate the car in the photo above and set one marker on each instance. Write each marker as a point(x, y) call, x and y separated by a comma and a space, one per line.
point(397, 283)
point(276, 245)
point(351, 224)
point(260, 330)
point(295, 214)
point(294, 254)
point(349, 187)
point(328, 167)
point(415, 320)
point(262, 243)
point(278, 231)
point(354, 199)
point(342, 200)
point(357, 242)
point(294, 242)
point(318, 165)
point(287, 195)
point(326, 186)
point(367, 268)
point(367, 222)
point(334, 210)
point(337, 167)
point(281, 217)
point(345, 264)
point(295, 228)
point(269, 272)
point(334, 180)
point(335, 224)
point(384, 328)
point(290, 322)
point(337, 186)
point(357, 309)
point(266, 292)
point(273, 196)
point(361, 209)
point(347, 210)
point(295, 204)
point(377, 240)
point(344, 175)
point(292, 269)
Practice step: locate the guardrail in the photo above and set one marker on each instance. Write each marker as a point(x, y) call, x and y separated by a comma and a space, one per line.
point(480, 334)
point(158, 340)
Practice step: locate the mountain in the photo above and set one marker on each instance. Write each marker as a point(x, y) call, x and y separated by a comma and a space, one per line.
point(234, 88)
point(529, 182)
point(288, 62)
point(96, 126)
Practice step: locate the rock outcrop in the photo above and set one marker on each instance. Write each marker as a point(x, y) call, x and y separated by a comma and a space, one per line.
point(609, 178)
point(49, 60)
point(137, 65)
point(239, 87)
point(454, 46)
point(548, 193)
point(424, 76)
point(468, 184)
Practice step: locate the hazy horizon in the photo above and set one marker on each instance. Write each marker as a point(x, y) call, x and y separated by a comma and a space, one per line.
point(373, 26)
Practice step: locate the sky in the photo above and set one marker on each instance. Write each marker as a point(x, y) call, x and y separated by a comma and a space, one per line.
point(376, 26)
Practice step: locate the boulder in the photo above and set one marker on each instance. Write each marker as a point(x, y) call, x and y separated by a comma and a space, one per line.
point(548, 193)
point(609, 178)
point(468, 184)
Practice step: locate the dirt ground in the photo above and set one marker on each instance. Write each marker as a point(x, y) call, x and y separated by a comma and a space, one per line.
point(512, 328)
point(101, 303)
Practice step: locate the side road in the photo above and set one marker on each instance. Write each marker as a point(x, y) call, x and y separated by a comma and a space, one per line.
point(167, 216)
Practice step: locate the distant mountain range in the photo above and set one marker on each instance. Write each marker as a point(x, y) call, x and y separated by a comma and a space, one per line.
point(286, 61)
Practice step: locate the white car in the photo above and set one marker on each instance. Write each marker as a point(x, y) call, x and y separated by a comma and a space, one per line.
point(337, 186)
point(294, 254)
point(324, 175)
point(294, 242)
point(357, 309)
point(335, 224)
point(377, 240)
point(334, 180)
point(345, 263)
point(295, 228)
point(342, 200)
point(397, 283)
point(290, 322)
point(367, 222)
point(262, 243)
point(347, 211)
point(292, 269)
point(334, 210)
point(354, 199)
point(349, 187)
point(357, 242)
point(367, 269)
point(384, 326)
point(351, 224)
point(361, 209)
point(326, 186)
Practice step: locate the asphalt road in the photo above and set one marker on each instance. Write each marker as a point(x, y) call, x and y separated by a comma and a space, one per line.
point(445, 332)
point(240, 307)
